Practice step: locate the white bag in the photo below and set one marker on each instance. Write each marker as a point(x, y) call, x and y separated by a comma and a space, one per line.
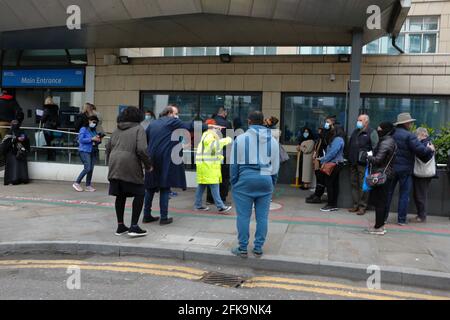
point(425, 170)
point(40, 138)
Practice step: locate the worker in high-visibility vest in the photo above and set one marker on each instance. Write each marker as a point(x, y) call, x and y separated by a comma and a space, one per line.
point(209, 158)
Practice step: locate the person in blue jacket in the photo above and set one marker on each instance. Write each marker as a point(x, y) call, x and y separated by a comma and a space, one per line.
point(408, 148)
point(334, 154)
point(255, 162)
point(88, 141)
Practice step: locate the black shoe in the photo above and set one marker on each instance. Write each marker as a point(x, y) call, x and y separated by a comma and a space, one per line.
point(315, 199)
point(164, 222)
point(329, 209)
point(136, 232)
point(225, 210)
point(150, 219)
point(121, 229)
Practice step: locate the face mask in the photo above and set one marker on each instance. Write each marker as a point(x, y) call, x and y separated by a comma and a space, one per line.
point(306, 135)
point(177, 117)
point(359, 125)
point(92, 125)
point(327, 126)
point(148, 117)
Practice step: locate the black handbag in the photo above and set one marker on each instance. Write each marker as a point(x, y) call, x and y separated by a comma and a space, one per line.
point(377, 179)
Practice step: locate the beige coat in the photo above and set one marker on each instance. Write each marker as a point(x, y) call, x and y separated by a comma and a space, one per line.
point(307, 149)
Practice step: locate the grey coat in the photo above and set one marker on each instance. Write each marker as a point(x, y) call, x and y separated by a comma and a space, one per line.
point(126, 153)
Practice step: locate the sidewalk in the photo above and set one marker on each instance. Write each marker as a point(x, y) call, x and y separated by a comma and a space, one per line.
point(301, 238)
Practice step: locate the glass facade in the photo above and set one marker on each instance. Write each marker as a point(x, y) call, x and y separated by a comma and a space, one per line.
point(202, 105)
point(432, 111)
point(299, 111)
point(310, 110)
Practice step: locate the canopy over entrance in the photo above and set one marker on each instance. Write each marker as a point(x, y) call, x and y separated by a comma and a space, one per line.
point(37, 24)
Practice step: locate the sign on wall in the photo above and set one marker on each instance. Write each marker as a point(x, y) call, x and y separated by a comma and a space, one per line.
point(43, 78)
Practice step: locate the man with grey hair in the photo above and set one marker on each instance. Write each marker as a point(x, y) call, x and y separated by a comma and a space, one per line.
point(363, 139)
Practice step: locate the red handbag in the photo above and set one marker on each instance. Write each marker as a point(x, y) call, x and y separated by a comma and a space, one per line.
point(328, 168)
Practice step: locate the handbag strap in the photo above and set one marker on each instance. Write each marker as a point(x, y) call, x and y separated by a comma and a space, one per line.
point(392, 158)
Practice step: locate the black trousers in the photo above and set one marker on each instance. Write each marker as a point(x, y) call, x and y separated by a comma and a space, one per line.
point(51, 153)
point(224, 187)
point(378, 198)
point(320, 183)
point(332, 184)
point(420, 195)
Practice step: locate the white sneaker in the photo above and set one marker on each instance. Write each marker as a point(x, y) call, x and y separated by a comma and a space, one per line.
point(90, 189)
point(77, 187)
point(225, 210)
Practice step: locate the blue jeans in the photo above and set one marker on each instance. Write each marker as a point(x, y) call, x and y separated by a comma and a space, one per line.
point(244, 204)
point(405, 182)
point(88, 160)
point(215, 194)
point(163, 202)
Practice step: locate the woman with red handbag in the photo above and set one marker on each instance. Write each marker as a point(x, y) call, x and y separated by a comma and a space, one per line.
point(381, 164)
point(332, 162)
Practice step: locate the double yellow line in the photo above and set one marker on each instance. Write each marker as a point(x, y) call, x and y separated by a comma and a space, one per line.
point(290, 284)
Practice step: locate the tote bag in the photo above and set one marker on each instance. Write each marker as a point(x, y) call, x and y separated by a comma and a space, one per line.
point(425, 170)
point(40, 137)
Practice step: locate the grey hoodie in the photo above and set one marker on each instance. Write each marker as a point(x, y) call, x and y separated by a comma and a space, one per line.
point(126, 153)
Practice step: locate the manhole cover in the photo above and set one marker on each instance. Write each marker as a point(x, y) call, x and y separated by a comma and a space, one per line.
point(223, 280)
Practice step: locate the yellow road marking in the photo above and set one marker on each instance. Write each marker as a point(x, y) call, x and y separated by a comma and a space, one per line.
point(329, 292)
point(410, 295)
point(119, 264)
point(326, 288)
point(107, 268)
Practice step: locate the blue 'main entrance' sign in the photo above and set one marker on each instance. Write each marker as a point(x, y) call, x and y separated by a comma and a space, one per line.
point(43, 78)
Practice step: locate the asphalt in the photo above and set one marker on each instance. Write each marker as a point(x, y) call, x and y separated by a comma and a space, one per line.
point(49, 217)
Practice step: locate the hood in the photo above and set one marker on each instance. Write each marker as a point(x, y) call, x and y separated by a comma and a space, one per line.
point(127, 125)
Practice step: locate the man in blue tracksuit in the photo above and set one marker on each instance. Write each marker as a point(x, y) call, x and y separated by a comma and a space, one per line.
point(255, 162)
point(408, 147)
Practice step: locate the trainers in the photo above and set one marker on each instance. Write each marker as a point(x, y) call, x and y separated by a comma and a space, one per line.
point(380, 231)
point(418, 220)
point(257, 253)
point(149, 219)
point(136, 232)
point(202, 209)
point(173, 194)
point(329, 209)
point(225, 210)
point(401, 224)
point(90, 189)
point(240, 253)
point(122, 229)
point(77, 187)
point(164, 222)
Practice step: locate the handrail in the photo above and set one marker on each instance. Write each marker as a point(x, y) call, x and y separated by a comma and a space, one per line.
point(49, 130)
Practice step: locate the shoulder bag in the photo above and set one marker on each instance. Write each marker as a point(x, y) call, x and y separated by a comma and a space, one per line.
point(376, 179)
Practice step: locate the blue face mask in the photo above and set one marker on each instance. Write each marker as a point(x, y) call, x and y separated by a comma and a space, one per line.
point(148, 117)
point(305, 135)
point(359, 125)
point(327, 126)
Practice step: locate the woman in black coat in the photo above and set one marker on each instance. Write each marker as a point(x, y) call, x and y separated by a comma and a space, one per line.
point(15, 147)
point(382, 161)
point(50, 120)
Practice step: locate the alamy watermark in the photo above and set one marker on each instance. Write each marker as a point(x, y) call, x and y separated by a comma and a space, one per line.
point(73, 22)
point(374, 280)
point(74, 280)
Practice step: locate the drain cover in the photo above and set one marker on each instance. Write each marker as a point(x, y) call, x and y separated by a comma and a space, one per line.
point(221, 279)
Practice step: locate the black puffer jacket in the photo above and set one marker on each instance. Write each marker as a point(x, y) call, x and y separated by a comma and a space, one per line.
point(50, 119)
point(383, 153)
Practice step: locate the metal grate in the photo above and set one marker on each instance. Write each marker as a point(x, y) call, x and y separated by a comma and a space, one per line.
point(223, 280)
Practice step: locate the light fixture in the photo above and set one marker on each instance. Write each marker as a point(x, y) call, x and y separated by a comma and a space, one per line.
point(79, 62)
point(124, 60)
point(225, 58)
point(344, 58)
point(332, 77)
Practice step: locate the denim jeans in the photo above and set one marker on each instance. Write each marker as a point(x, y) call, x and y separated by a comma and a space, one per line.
point(163, 202)
point(88, 160)
point(405, 182)
point(244, 205)
point(215, 194)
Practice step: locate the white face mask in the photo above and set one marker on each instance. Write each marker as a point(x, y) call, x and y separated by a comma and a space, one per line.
point(176, 116)
point(92, 125)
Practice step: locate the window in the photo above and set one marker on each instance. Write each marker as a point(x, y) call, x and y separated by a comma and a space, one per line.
point(432, 111)
point(299, 111)
point(214, 51)
point(418, 35)
point(201, 106)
